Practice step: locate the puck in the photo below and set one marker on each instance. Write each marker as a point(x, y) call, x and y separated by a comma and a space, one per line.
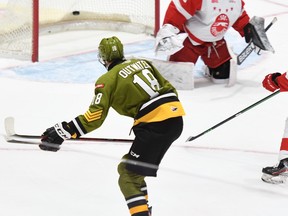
point(75, 13)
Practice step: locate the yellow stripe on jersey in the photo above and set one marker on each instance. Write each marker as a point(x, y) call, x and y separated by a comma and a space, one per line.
point(92, 116)
point(138, 209)
point(163, 112)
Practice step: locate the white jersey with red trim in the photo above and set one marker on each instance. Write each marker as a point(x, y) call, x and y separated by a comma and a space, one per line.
point(205, 20)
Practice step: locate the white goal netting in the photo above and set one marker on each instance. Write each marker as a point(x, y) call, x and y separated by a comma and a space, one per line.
point(17, 20)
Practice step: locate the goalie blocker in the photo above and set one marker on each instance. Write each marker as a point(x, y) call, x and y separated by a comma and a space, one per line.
point(255, 32)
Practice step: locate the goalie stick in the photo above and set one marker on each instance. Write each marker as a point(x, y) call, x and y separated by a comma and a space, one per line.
point(12, 137)
point(250, 47)
point(233, 116)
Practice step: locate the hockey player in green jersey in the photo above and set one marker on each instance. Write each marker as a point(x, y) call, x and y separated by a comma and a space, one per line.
point(133, 88)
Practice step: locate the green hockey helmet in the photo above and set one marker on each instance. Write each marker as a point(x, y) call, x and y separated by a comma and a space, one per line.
point(110, 49)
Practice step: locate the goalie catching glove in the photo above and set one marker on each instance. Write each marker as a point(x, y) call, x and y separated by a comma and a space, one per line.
point(169, 40)
point(54, 136)
point(276, 81)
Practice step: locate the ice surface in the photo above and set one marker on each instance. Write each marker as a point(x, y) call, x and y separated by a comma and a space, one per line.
point(217, 174)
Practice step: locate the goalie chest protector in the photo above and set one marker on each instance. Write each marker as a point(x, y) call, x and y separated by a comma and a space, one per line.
point(211, 22)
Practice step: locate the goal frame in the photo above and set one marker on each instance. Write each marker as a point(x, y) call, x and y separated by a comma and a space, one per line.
point(35, 32)
point(36, 27)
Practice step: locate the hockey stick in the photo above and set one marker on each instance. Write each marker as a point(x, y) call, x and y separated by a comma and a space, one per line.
point(233, 116)
point(12, 136)
point(250, 47)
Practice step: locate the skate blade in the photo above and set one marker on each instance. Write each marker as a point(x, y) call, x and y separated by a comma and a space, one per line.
point(274, 179)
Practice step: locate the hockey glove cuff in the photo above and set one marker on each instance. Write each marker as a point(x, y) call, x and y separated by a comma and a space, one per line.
point(270, 82)
point(54, 136)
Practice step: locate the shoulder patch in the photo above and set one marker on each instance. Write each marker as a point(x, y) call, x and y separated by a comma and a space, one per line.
point(99, 86)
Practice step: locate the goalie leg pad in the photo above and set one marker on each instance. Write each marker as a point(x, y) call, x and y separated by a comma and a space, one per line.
point(233, 68)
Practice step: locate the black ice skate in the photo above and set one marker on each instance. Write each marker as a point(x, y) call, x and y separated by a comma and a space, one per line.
point(150, 210)
point(276, 174)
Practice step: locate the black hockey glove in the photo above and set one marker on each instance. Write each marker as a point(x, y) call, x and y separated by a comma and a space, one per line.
point(251, 34)
point(54, 136)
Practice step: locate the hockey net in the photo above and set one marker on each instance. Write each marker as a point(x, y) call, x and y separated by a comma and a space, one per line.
point(22, 21)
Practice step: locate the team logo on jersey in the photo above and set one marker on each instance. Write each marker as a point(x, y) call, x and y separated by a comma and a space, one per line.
point(173, 108)
point(99, 86)
point(220, 26)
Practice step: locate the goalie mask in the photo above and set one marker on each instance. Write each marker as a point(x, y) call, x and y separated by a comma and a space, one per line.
point(110, 49)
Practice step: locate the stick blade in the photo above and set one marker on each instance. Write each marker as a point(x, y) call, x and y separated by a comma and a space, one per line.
point(190, 139)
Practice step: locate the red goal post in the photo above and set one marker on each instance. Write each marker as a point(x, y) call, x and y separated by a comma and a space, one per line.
point(23, 21)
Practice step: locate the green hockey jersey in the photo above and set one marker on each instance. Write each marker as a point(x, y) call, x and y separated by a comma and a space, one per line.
point(128, 87)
